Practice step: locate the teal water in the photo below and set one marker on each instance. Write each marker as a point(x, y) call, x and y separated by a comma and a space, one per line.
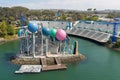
point(101, 64)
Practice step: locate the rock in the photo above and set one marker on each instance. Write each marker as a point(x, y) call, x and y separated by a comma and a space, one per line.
point(50, 60)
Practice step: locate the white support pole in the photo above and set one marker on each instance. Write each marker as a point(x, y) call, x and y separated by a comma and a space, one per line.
point(27, 44)
point(60, 47)
point(20, 46)
point(46, 46)
point(42, 43)
point(33, 47)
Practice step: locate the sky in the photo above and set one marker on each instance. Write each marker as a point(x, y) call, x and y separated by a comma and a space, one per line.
point(63, 4)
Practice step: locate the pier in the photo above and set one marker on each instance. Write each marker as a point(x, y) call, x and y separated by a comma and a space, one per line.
point(44, 66)
point(56, 66)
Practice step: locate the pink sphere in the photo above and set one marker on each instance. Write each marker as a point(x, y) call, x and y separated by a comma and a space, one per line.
point(61, 34)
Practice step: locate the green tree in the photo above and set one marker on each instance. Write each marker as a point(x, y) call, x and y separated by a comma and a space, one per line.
point(110, 16)
point(11, 18)
point(94, 9)
point(10, 30)
point(81, 17)
point(117, 45)
point(89, 9)
point(3, 29)
point(92, 18)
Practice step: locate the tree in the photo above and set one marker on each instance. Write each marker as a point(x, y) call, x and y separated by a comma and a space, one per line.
point(89, 9)
point(3, 29)
point(117, 45)
point(10, 30)
point(92, 18)
point(11, 18)
point(94, 9)
point(81, 17)
point(18, 10)
point(110, 16)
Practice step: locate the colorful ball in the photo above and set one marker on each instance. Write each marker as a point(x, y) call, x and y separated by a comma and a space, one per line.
point(46, 31)
point(61, 34)
point(53, 33)
point(32, 27)
point(20, 32)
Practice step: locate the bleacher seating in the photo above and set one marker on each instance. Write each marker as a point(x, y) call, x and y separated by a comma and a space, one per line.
point(73, 30)
point(91, 34)
point(52, 24)
point(84, 32)
point(78, 31)
point(96, 35)
point(100, 32)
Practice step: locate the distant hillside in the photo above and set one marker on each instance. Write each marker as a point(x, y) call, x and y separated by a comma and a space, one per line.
point(12, 15)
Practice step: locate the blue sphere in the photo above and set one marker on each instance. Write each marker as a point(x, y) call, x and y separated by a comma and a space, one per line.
point(46, 31)
point(32, 27)
point(20, 32)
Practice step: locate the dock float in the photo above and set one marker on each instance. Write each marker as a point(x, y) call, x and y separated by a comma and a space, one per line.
point(54, 67)
point(57, 66)
point(29, 69)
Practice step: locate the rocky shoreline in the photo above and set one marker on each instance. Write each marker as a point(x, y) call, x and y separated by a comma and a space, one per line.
point(111, 46)
point(2, 40)
point(50, 60)
point(9, 38)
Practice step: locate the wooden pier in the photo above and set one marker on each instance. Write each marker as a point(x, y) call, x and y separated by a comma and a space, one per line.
point(58, 65)
point(54, 67)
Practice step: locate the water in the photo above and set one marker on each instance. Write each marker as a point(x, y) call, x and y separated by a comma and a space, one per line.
point(101, 64)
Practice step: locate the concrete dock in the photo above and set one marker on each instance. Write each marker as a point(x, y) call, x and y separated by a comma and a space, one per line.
point(47, 62)
point(29, 69)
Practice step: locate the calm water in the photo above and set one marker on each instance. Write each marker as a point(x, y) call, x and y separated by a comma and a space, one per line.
point(101, 64)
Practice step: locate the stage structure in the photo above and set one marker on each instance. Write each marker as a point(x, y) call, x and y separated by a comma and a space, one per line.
point(37, 40)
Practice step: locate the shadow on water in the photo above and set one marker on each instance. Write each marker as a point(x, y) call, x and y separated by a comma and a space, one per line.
point(9, 56)
point(87, 39)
